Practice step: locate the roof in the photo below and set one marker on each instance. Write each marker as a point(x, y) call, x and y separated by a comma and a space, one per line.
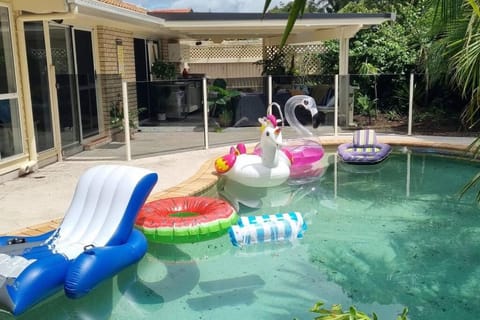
point(236, 16)
point(179, 10)
point(117, 14)
point(310, 27)
point(216, 26)
point(125, 5)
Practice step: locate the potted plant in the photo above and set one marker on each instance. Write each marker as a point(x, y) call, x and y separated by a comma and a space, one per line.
point(220, 104)
point(117, 121)
point(162, 70)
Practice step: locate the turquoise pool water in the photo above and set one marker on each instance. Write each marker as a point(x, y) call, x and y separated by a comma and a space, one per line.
point(380, 238)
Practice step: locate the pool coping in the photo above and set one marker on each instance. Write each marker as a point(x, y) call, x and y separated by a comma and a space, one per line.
point(206, 176)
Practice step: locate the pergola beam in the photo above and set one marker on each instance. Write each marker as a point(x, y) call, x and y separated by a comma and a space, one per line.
point(317, 35)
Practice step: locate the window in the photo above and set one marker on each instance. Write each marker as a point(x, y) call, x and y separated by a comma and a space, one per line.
point(10, 131)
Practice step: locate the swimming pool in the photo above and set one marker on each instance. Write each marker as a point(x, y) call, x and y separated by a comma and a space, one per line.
point(379, 238)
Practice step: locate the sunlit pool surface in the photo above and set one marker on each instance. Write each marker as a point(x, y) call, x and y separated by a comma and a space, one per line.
point(381, 238)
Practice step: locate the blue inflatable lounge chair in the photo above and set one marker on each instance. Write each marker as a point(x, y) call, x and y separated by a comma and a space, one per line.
point(364, 149)
point(95, 240)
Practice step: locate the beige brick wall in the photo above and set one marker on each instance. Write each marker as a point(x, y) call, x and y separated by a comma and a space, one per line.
point(108, 70)
point(163, 43)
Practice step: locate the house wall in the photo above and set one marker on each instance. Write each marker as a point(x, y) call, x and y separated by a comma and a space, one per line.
point(113, 69)
point(164, 48)
point(105, 34)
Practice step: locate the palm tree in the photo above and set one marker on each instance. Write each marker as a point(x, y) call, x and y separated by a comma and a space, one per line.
point(458, 25)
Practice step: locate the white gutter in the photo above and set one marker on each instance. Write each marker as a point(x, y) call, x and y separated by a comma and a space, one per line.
point(115, 12)
point(70, 14)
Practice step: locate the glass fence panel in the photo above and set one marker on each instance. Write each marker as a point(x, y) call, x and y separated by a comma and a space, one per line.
point(169, 116)
point(378, 102)
point(236, 102)
point(438, 110)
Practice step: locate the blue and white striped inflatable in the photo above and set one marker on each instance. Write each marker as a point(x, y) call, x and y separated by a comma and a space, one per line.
point(266, 228)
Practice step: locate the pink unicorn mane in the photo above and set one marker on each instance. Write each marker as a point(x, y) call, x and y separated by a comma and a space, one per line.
point(272, 119)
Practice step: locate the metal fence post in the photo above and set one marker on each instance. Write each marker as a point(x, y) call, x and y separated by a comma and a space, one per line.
point(269, 90)
point(410, 104)
point(205, 113)
point(335, 117)
point(126, 121)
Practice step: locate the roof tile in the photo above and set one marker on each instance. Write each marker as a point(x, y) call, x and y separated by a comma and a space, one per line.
point(125, 5)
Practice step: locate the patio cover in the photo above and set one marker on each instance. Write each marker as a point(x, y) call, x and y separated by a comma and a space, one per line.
point(310, 27)
point(216, 26)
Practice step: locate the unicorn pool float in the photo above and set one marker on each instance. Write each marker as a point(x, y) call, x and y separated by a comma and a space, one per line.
point(269, 168)
point(306, 153)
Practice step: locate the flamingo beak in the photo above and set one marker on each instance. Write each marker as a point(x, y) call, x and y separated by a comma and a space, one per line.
point(316, 120)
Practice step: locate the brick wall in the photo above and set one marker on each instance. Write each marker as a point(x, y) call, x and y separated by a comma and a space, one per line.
point(108, 71)
point(163, 43)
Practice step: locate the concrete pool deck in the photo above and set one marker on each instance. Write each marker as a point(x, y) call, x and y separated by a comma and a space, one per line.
point(37, 202)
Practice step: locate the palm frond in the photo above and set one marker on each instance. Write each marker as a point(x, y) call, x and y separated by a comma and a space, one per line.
point(265, 7)
point(475, 6)
point(446, 10)
point(297, 10)
point(474, 147)
point(469, 185)
point(466, 64)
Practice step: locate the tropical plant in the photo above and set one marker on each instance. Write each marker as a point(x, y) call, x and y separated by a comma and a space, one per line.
point(117, 116)
point(474, 149)
point(164, 70)
point(393, 115)
point(336, 313)
point(457, 24)
point(369, 69)
point(381, 51)
point(220, 102)
point(365, 106)
point(274, 65)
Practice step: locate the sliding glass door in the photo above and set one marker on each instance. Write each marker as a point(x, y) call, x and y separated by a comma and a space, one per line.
point(86, 82)
point(39, 85)
point(141, 76)
point(66, 87)
point(71, 53)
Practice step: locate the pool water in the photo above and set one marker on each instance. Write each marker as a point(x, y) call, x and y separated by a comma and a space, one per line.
point(379, 237)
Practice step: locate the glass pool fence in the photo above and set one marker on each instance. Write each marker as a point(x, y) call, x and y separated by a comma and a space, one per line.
point(200, 113)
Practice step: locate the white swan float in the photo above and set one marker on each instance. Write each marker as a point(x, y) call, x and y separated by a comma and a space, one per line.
point(306, 102)
point(271, 167)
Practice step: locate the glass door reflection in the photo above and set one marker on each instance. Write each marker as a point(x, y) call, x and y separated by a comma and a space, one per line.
point(62, 58)
point(39, 90)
